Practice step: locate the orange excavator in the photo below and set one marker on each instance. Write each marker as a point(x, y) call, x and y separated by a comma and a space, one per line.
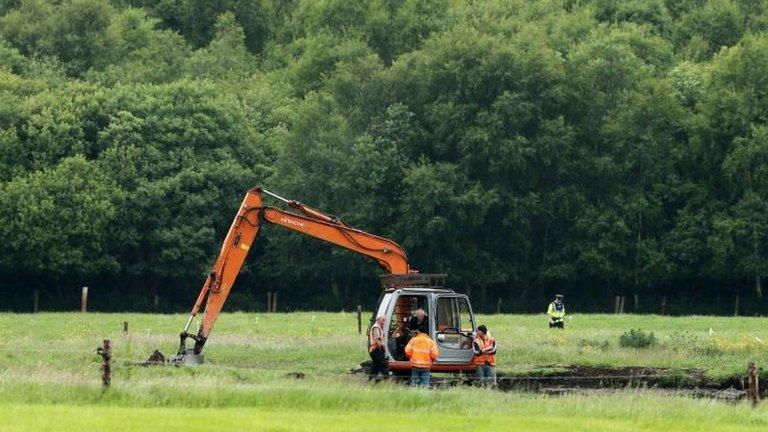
point(405, 290)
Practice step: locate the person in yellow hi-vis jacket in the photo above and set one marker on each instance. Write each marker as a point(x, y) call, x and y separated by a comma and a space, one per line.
point(556, 312)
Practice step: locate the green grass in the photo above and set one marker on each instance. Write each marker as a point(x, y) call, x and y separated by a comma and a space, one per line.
point(49, 375)
point(479, 412)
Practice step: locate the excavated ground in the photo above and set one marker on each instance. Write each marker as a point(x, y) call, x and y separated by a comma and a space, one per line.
point(564, 379)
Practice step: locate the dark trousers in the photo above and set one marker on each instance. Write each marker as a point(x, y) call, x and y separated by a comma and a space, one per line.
point(379, 363)
point(559, 324)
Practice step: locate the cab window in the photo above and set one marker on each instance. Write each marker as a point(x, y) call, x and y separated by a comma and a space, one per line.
point(447, 315)
point(448, 323)
point(465, 316)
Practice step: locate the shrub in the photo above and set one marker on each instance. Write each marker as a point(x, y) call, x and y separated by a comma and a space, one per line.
point(636, 338)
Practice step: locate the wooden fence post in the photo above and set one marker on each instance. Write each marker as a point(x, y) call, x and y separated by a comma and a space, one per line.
point(498, 305)
point(736, 306)
point(664, 305)
point(125, 327)
point(616, 301)
point(637, 302)
point(754, 384)
point(359, 319)
point(274, 301)
point(621, 304)
point(106, 369)
point(35, 301)
point(84, 299)
point(269, 301)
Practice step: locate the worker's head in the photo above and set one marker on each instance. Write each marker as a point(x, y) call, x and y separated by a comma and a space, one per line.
point(380, 319)
point(419, 313)
point(422, 328)
point(482, 330)
point(558, 297)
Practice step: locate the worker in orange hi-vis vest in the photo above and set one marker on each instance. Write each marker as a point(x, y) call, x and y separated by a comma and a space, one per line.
point(484, 350)
point(421, 352)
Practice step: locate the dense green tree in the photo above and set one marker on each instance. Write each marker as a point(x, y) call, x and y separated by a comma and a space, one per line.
point(601, 148)
point(704, 30)
point(226, 55)
point(739, 239)
point(55, 220)
point(653, 13)
point(11, 59)
point(74, 32)
point(196, 19)
point(141, 52)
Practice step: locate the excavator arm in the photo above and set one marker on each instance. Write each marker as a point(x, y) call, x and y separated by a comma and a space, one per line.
point(243, 232)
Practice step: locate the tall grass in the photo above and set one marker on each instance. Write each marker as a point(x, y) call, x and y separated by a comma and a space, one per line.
point(61, 345)
point(49, 375)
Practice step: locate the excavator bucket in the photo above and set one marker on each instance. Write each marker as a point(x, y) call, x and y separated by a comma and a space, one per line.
point(188, 358)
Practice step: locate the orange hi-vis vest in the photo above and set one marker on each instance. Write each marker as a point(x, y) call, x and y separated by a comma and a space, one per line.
point(484, 350)
point(421, 351)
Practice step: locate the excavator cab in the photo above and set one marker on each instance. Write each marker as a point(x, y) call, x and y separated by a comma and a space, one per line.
point(449, 316)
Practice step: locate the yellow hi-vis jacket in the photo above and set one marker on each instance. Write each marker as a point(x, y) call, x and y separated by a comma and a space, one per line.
point(421, 351)
point(555, 312)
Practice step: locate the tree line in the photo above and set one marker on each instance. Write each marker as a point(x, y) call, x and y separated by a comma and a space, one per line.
point(592, 147)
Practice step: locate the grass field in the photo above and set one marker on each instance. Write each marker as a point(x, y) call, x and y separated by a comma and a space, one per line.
point(49, 375)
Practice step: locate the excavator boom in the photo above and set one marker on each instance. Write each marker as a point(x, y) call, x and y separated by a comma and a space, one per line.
point(239, 240)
